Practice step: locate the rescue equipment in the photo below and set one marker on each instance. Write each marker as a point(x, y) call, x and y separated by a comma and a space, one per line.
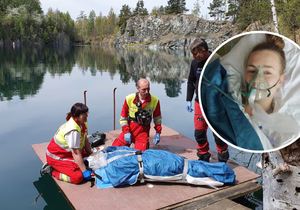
point(97, 139)
point(142, 116)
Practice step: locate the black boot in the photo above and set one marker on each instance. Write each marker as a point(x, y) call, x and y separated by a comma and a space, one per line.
point(47, 169)
point(223, 157)
point(204, 157)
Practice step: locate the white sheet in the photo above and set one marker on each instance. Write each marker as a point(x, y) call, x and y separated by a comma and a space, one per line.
point(283, 125)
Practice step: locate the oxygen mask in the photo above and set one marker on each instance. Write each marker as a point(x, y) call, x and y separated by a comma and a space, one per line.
point(258, 86)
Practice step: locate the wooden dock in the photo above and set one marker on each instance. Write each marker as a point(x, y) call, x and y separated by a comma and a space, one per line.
point(161, 195)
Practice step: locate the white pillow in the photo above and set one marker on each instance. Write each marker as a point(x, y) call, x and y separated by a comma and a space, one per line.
point(283, 125)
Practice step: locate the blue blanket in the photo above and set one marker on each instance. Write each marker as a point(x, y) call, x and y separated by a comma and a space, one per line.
point(160, 163)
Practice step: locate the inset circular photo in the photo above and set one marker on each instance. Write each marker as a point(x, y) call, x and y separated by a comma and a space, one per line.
point(250, 91)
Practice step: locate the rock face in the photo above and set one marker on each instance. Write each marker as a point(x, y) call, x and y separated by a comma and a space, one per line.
point(172, 31)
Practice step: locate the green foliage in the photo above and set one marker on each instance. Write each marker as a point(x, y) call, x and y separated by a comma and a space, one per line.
point(24, 20)
point(131, 32)
point(289, 17)
point(176, 7)
point(158, 11)
point(55, 32)
point(216, 9)
point(116, 30)
point(250, 11)
point(91, 22)
point(124, 15)
point(139, 9)
point(31, 30)
point(232, 11)
point(46, 37)
point(196, 9)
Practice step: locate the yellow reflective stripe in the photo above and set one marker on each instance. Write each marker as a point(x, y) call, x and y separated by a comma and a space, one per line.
point(157, 123)
point(61, 145)
point(123, 121)
point(157, 120)
point(64, 177)
point(56, 157)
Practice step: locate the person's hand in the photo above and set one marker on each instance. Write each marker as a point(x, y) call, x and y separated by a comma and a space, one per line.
point(156, 139)
point(189, 106)
point(87, 174)
point(127, 137)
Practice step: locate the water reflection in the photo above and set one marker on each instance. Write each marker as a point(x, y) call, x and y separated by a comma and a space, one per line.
point(22, 69)
point(42, 72)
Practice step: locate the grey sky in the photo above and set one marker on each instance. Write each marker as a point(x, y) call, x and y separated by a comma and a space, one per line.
point(75, 6)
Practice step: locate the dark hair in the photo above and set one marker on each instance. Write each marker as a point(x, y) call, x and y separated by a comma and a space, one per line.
point(76, 110)
point(273, 43)
point(199, 44)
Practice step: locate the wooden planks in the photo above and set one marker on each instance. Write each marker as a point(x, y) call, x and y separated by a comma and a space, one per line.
point(218, 196)
point(141, 196)
point(225, 204)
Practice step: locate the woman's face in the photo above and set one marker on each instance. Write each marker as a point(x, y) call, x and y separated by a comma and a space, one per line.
point(270, 62)
point(82, 118)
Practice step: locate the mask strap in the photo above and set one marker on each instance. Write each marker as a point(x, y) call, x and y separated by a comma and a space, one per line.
point(221, 91)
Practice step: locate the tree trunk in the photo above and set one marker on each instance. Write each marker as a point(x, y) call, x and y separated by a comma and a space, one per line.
point(281, 178)
point(274, 16)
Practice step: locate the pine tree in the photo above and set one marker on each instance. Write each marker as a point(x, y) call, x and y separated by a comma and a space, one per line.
point(124, 15)
point(232, 11)
point(176, 7)
point(139, 9)
point(91, 22)
point(196, 10)
point(216, 9)
point(289, 17)
point(251, 11)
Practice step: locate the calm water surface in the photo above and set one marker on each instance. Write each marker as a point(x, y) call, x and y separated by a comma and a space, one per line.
point(38, 86)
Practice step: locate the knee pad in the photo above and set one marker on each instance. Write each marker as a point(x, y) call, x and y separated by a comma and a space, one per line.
point(200, 136)
point(218, 141)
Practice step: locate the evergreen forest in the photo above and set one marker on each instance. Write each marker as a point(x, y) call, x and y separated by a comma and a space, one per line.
point(25, 21)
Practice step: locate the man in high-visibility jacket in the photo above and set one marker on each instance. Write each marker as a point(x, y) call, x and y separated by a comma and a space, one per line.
point(68, 147)
point(136, 116)
point(200, 52)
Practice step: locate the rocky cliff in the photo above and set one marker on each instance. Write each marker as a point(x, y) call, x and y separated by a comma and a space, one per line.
point(172, 31)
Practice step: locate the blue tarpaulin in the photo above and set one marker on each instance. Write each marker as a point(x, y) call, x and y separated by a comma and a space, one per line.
point(159, 164)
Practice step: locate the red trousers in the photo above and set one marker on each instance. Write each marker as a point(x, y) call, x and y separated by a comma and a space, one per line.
point(139, 136)
point(200, 133)
point(66, 167)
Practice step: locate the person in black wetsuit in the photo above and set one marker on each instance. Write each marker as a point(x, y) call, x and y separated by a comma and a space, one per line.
point(200, 52)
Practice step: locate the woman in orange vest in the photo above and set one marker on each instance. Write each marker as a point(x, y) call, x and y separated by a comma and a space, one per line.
point(69, 146)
